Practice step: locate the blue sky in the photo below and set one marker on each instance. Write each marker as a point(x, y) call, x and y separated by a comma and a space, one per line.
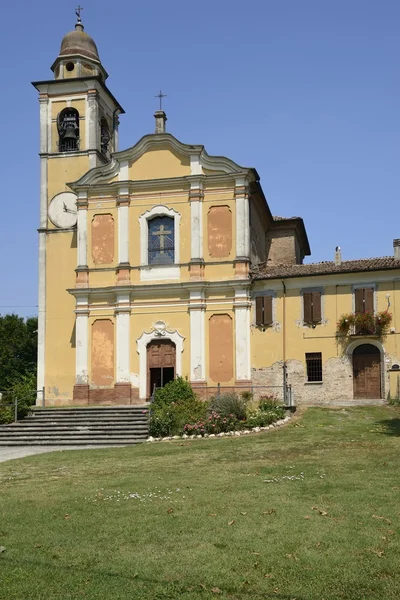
point(305, 91)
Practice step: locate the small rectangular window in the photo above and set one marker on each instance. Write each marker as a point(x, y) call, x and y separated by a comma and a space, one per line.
point(312, 307)
point(314, 366)
point(264, 310)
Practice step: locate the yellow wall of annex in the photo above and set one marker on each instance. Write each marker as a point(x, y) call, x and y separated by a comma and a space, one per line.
point(337, 299)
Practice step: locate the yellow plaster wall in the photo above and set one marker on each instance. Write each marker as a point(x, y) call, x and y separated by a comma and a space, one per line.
point(63, 169)
point(159, 163)
point(60, 317)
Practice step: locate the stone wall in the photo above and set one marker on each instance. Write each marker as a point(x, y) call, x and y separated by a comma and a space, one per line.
point(337, 386)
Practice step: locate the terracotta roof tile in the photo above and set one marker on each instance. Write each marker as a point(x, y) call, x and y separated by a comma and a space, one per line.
point(264, 271)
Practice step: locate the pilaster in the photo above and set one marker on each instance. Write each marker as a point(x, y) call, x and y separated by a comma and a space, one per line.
point(242, 228)
point(196, 197)
point(197, 308)
point(242, 307)
point(81, 387)
point(82, 270)
point(44, 146)
point(123, 269)
point(122, 319)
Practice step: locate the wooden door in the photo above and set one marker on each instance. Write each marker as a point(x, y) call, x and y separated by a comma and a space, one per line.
point(161, 357)
point(367, 372)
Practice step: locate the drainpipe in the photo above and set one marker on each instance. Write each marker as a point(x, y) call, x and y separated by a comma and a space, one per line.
point(284, 343)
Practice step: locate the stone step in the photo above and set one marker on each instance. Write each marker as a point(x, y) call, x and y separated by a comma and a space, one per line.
point(74, 442)
point(68, 431)
point(67, 422)
point(114, 425)
point(77, 413)
point(91, 408)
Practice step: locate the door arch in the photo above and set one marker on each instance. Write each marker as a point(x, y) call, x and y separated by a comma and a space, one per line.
point(161, 364)
point(367, 372)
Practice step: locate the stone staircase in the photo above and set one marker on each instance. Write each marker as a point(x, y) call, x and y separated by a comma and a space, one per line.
point(88, 426)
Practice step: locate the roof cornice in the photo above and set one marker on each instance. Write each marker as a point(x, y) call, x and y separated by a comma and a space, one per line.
point(154, 141)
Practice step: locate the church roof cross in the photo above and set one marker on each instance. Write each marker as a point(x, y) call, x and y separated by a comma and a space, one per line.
point(161, 96)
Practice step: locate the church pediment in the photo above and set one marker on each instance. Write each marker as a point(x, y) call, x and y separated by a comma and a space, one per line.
point(159, 156)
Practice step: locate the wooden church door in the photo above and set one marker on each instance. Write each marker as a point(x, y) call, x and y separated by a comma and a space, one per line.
point(367, 372)
point(161, 364)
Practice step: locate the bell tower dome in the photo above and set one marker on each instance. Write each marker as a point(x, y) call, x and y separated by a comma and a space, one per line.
point(78, 55)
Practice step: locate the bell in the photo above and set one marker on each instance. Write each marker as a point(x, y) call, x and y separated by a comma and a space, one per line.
point(70, 133)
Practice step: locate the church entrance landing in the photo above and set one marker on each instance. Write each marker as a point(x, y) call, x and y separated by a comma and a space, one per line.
point(367, 372)
point(161, 364)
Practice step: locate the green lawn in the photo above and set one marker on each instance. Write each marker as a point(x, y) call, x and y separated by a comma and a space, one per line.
point(310, 511)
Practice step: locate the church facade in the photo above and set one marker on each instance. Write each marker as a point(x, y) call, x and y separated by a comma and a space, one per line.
point(161, 260)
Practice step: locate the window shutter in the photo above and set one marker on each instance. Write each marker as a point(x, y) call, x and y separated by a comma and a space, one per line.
point(369, 300)
point(316, 307)
point(307, 303)
point(268, 310)
point(259, 310)
point(359, 300)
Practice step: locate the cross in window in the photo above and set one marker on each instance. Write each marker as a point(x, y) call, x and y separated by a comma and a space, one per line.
point(162, 233)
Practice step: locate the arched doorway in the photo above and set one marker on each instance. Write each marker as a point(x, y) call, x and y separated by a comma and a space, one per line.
point(367, 372)
point(161, 364)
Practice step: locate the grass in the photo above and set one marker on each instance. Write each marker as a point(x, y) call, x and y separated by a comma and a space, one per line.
point(307, 512)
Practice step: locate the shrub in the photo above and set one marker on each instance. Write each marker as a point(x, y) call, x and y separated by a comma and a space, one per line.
point(24, 389)
point(177, 390)
point(229, 404)
point(269, 403)
point(261, 418)
point(174, 406)
point(214, 423)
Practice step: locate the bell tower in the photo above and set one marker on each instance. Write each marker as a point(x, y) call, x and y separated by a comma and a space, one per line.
point(78, 131)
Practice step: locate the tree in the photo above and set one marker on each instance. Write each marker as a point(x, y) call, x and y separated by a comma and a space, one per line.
point(18, 349)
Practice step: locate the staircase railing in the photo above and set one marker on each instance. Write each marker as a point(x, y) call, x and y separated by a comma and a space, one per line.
point(15, 401)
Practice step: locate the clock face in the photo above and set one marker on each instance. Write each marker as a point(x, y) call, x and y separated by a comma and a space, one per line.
point(63, 210)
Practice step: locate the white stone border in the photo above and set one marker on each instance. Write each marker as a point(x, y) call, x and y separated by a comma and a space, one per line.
point(143, 341)
point(220, 435)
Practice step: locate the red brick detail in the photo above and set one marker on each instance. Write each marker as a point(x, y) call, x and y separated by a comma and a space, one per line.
point(122, 393)
point(102, 396)
point(135, 396)
point(81, 393)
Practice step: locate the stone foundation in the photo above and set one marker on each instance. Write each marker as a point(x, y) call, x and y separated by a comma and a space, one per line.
point(336, 388)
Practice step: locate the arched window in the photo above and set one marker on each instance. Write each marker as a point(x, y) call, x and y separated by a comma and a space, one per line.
point(161, 235)
point(105, 138)
point(68, 130)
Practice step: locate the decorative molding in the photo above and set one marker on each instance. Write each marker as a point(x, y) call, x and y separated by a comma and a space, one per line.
point(160, 330)
point(197, 154)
